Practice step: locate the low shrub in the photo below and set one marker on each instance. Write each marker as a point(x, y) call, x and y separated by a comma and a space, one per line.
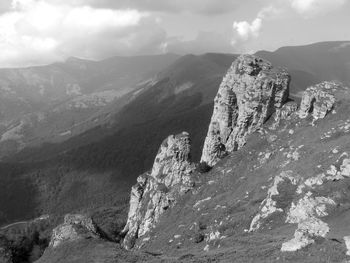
point(203, 167)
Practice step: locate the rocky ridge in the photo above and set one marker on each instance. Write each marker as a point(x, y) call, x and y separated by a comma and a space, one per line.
point(158, 190)
point(249, 94)
point(296, 197)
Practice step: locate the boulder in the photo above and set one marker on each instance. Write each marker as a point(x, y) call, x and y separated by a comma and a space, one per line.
point(74, 227)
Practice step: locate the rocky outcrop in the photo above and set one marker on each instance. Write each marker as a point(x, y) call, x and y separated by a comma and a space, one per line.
point(158, 190)
point(250, 92)
point(74, 227)
point(307, 213)
point(318, 100)
point(269, 205)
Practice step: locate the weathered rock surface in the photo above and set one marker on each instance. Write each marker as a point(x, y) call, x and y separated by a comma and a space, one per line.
point(158, 190)
point(307, 213)
point(318, 100)
point(250, 92)
point(74, 227)
point(288, 110)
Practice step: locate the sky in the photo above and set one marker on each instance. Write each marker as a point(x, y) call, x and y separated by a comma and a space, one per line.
point(36, 32)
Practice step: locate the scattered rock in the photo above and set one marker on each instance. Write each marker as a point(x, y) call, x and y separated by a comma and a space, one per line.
point(198, 203)
point(335, 174)
point(269, 205)
point(345, 167)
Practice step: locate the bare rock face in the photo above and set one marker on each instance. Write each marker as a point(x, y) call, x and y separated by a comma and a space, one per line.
point(158, 190)
point(318, 100)
point(250, 92)
point(74, 227)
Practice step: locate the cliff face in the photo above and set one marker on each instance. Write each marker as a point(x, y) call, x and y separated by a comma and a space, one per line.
point(158, 190)
point(250, 92)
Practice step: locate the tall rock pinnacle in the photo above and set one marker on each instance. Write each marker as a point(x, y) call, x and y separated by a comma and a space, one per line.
point(250, 92)
point(158, 190)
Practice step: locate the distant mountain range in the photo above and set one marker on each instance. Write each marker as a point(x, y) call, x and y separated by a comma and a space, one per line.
point(313, 63)
point(52, 103)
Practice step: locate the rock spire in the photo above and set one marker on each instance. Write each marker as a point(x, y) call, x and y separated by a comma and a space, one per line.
point(159, 189)
point(250, 92)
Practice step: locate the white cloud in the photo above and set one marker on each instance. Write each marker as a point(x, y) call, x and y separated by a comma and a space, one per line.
point(37, 31)
point(203, 7)
point(310, 8)
point(245, 30)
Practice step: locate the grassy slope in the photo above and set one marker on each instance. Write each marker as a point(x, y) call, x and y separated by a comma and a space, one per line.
point(236, 188)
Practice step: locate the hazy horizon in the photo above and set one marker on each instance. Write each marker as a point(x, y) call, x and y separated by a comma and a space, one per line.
point(159, 54)
point(39, 32)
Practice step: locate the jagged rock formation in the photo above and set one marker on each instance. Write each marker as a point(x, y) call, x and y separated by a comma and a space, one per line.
point(318, 100)
point(250, 92)
point(158, 190)
point(74, 227)
point(285, 190)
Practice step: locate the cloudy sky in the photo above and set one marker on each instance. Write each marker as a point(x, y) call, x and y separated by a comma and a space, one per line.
point(34, 32)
